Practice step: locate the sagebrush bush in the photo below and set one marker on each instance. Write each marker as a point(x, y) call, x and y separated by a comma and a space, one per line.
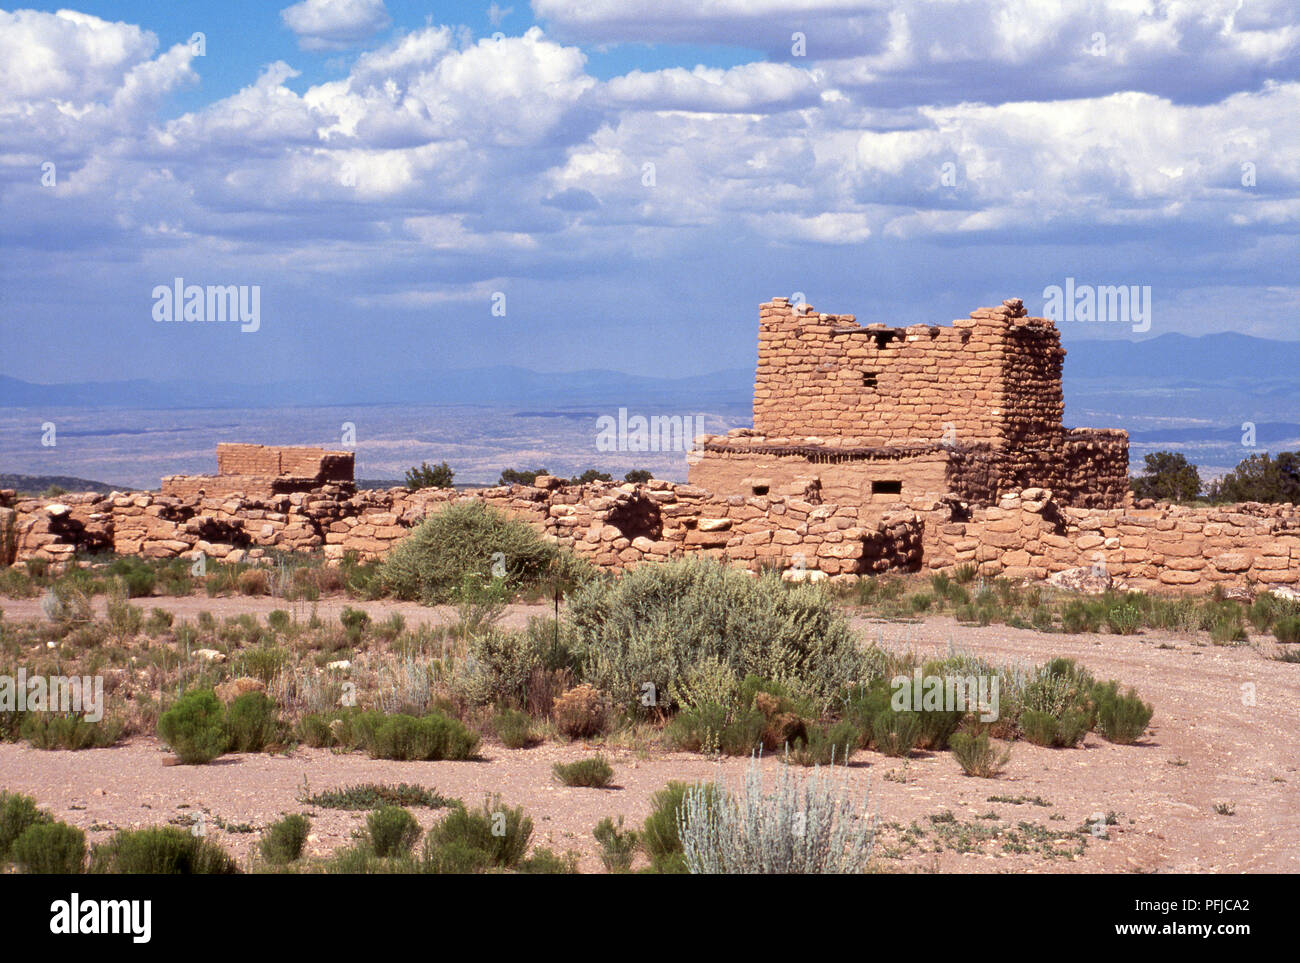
point(195, 727)
point(17, 814)
point(432, 737)
point(514, 728)
point(806, 825)
point(617, 845)
point(711, 728)
point(593, 773)
point(453, 857)
point(1287, 629)
point(499, 832)
point(896, 733)
point(58, 730)
point(656, 623)
point(1121, 718)
point(825, 745)
point(160, 850)
point(581, 712)
point(252, 723)
point(1044, 729)
point(659, 834)
point(977, 755)
point(459, 543)
point(502, 663)
point(391, 831)
point(50, 848)
point(283, 840)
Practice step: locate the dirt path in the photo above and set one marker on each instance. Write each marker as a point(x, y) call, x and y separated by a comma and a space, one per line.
point(1205, 748)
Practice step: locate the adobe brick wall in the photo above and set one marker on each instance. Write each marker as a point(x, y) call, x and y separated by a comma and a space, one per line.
point(264, 470)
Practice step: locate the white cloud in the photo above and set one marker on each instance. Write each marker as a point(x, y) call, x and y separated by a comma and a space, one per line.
point(335, 24)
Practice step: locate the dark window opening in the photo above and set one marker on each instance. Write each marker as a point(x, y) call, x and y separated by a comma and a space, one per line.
point(884, 337)
point(886, 488)
point(760, 489)
point(869, 379)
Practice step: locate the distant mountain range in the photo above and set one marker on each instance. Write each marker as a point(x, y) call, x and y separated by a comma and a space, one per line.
point(1256, 368)
point(37, 484)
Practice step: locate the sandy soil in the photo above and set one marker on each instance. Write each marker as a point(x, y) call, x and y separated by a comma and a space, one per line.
point(1204, 748)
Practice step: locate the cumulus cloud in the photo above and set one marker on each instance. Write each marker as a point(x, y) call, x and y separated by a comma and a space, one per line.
point(335, 24)
point(944, 51)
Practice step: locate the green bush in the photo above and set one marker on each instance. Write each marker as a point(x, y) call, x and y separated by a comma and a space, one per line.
point(656, 623)
point(617, 845)
point(502, 662)
point(283, 840)
point(252, 722)
point(1121, 718)
point(896, 733)
point(391, 831)
point(712, 728)
point(433, 563)
point(135, 574)
point(1044, 729)
point(824, 745)
point(57, 730)
point(432, 737)
point(195, 727)
point(17, 814)
point(54, 848)
point(977, 755)
point(500, 833)
point(1081, 616)
point(160, 850)
point(514, 728)
point(593, 773)
point(543, 861)
point(454, 857)
point(1287, 629)
point(1123, 619)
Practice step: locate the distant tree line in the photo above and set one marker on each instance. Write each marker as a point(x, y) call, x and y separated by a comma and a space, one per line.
point(441, 475)
point(1167, 476)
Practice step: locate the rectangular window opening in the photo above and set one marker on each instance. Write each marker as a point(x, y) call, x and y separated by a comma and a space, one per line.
point(886, 488)
point(869, 379)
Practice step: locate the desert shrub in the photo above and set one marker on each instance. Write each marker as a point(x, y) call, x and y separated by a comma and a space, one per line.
point(1227, 630)
point(263, 662)
point(1287, 629)
point(977, 755)
point(1044, 729)
point(252, 723)
point(195, 727)
point(617, 845)
point(433, 563)
point(159, 621)
point(1080, 615)
point(1059, 687)
point(1123, 618)
point(581, 712)
point(825, 745)
point(134, 574)
point(655, 623)
point(659, 834)
point(545, 862)
point(50, 848)
point(502, 663)
point(712, 728)
point(391, 831)
point(17, 814)
point(501, 833)
point(374, 795)
point(1121, 718)
point(432, 737)
point(807, 824)
point(454, 857)
point(254, 581)
point(124, 620)
point(862, 704)
point(593, 773)
point(59, 730)
point(896, 733)
point(354, 623)
point(160, 850)
point(283, 840)
point(514, 728)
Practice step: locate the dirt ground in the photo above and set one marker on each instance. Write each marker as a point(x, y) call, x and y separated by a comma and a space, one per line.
point(1205, 749)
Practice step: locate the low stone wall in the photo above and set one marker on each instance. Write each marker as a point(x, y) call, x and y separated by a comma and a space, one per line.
point(1025, 536)
point(615, 526)
point(1156, 547)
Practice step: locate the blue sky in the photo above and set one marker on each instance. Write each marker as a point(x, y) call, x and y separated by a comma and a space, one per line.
point(634, 177)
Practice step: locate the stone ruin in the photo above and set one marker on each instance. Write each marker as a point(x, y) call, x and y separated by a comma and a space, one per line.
point(874, 449)
point(871, 414)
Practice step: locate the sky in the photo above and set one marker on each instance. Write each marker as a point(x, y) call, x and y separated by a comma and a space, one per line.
point(575, 184)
